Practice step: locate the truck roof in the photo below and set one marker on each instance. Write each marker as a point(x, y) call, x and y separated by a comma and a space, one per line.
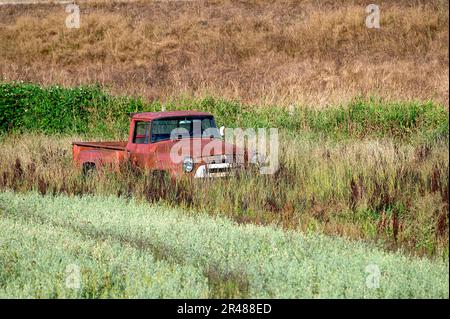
point(157, 115)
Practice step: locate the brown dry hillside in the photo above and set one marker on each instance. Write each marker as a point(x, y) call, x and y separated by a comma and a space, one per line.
point(284, 52)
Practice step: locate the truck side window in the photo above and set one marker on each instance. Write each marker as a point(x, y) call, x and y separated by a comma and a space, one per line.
point(141, 133)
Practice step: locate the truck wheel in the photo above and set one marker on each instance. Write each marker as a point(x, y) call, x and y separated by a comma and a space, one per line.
point(88, 169)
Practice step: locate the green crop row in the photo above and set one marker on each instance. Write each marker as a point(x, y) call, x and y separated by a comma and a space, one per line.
point(91, 110)
point(238, 260)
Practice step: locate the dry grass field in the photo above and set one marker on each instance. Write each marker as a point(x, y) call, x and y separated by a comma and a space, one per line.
point(312, 53)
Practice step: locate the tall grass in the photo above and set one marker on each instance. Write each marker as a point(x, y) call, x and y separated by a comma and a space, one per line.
point(377, 190)
point(238, 261)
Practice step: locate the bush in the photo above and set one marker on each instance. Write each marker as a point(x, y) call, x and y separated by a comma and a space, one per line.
point(90, 110)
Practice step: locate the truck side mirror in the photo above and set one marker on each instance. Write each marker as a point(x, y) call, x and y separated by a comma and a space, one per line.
point(222, 130)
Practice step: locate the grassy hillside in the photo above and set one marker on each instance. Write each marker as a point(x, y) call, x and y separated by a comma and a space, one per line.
point(126, 249)
point(259, 52)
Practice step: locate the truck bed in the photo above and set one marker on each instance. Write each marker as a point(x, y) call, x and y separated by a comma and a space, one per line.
point(99, 153)
point(118, 146)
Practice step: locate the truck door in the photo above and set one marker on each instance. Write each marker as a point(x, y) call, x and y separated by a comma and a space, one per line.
point(139, 143)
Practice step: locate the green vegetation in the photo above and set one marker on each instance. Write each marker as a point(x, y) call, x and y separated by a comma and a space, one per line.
point(367, 171)
point(127, 249)
point(90, 110)
point(36, 261)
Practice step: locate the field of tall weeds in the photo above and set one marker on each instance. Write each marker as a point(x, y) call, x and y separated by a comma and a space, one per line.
point(377, 190)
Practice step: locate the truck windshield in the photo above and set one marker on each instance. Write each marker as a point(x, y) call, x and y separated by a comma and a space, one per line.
point(184, 127)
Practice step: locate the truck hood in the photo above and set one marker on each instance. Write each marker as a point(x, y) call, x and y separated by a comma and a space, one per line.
point(201, 148)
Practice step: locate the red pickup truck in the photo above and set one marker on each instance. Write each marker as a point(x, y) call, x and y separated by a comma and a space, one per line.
point(177, 143)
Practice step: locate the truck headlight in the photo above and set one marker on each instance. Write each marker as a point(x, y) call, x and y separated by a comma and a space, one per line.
point(188, 164)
